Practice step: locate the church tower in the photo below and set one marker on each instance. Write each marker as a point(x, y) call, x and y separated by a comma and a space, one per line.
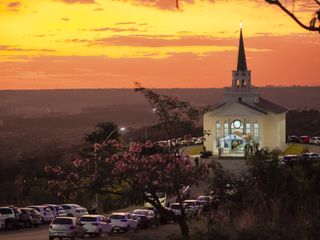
point(241, 88)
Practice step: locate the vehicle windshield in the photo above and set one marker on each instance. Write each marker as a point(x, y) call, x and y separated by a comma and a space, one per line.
point(140, 212)
point(175, 206)
point(161, 195)
point(88, 219)
point(62, 221)
point(5, 211)
point(117, 216)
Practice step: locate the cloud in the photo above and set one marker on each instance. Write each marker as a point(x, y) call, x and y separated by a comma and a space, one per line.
point(162, 41)
point(161, 4)
point(14, 6)
point(65, 19)
point(79, 1)
point(125, 23)
point(111, 29)
point(98, 9)
point(17, 49)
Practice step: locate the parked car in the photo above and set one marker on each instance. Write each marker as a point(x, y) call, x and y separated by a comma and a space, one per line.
point(74, 210)
point(311, 156)
point(162, 199)
point(164, 218)
point(304, 139)
point(45, 212)
point(123, 222)
point(66, 227)
point(25, 218)
point(11, 217)
point(35, 216)
point(2, 222)
point(195, 205)
point(315, 140)
point(143, 221)
point(291, 159)
point(57, 210)
point(96, 225)
point(206, 201)
point(293, 139)
point(150, 217)
point(176, 208)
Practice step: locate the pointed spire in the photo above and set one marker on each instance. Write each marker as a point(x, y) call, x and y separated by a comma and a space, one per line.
point(242, 62)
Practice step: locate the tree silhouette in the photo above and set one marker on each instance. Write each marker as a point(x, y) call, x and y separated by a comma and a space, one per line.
point(314, 24)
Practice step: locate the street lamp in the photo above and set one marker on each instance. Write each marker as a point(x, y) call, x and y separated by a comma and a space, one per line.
point(95, 156)
point(145, 124)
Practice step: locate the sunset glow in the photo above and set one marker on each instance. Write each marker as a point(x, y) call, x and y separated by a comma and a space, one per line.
point(112, 43)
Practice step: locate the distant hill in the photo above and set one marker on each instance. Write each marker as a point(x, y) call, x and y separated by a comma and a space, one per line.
point(50, 102)
point(34, 121)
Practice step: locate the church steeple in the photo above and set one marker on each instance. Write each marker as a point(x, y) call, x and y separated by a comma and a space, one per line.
point(241, 78)
point(241, 89)
point(242, 62)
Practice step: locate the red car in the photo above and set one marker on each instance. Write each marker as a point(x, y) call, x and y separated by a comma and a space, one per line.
point(304, 139)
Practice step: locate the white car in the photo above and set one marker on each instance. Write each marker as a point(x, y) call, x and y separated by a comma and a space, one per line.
point(195, 205)
point(123, 221)
point(176, 209)
point(57, 210)
point(2, 222)
point(74, 210)
point(315, 140)
point(96, 225)
point(45, 212)
point(66, 227)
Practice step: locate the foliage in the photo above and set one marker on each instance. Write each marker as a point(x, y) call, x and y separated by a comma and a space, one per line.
point(271, 200)
point(141, 171)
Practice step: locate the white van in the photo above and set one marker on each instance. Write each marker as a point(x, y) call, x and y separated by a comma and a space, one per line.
point(162, 199)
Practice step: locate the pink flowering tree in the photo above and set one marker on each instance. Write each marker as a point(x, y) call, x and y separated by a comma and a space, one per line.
point(150, 168)
point(89, 172)
point(143, 169)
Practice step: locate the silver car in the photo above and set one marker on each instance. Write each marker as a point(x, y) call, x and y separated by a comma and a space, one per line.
point(96, 225)
point(66, 227)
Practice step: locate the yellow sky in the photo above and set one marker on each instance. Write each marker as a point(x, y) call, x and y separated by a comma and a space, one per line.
point(134, 29)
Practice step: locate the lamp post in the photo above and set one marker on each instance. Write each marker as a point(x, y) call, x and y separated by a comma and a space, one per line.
point(95, 156)
point(145, 125)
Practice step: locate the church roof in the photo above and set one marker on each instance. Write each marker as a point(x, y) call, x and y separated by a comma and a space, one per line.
point(242, 62)
point(270, 106)
point(263, 106)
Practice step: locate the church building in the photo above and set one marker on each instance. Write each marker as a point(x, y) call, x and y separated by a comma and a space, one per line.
point(244, 120)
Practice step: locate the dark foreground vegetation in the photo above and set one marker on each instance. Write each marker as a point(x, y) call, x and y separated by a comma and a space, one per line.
point(270, 201)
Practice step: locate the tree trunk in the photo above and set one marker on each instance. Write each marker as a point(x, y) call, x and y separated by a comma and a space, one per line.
point(184, 228)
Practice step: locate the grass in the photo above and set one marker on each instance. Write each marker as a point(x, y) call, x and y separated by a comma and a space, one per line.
point(295, 149)
point(193, 150)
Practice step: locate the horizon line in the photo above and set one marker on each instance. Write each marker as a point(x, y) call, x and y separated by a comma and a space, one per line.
point(129, 88)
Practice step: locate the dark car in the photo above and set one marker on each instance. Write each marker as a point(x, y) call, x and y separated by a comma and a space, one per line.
point(151, 217)
point(311, 156)
point(293, 139)
point(305, 139)
point(143, 221)
point(291, 159)
point(33, 215)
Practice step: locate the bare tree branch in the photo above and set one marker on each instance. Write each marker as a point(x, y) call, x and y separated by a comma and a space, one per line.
point(310, 28)
point(317, 1)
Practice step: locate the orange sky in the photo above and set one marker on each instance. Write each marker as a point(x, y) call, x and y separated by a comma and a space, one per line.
point(47, 44)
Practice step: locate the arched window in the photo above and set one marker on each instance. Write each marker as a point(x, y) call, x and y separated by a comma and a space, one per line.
point(218, 133)
point(248, 128)
point(237, 126)
point(256, 132)
point(226, 128)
